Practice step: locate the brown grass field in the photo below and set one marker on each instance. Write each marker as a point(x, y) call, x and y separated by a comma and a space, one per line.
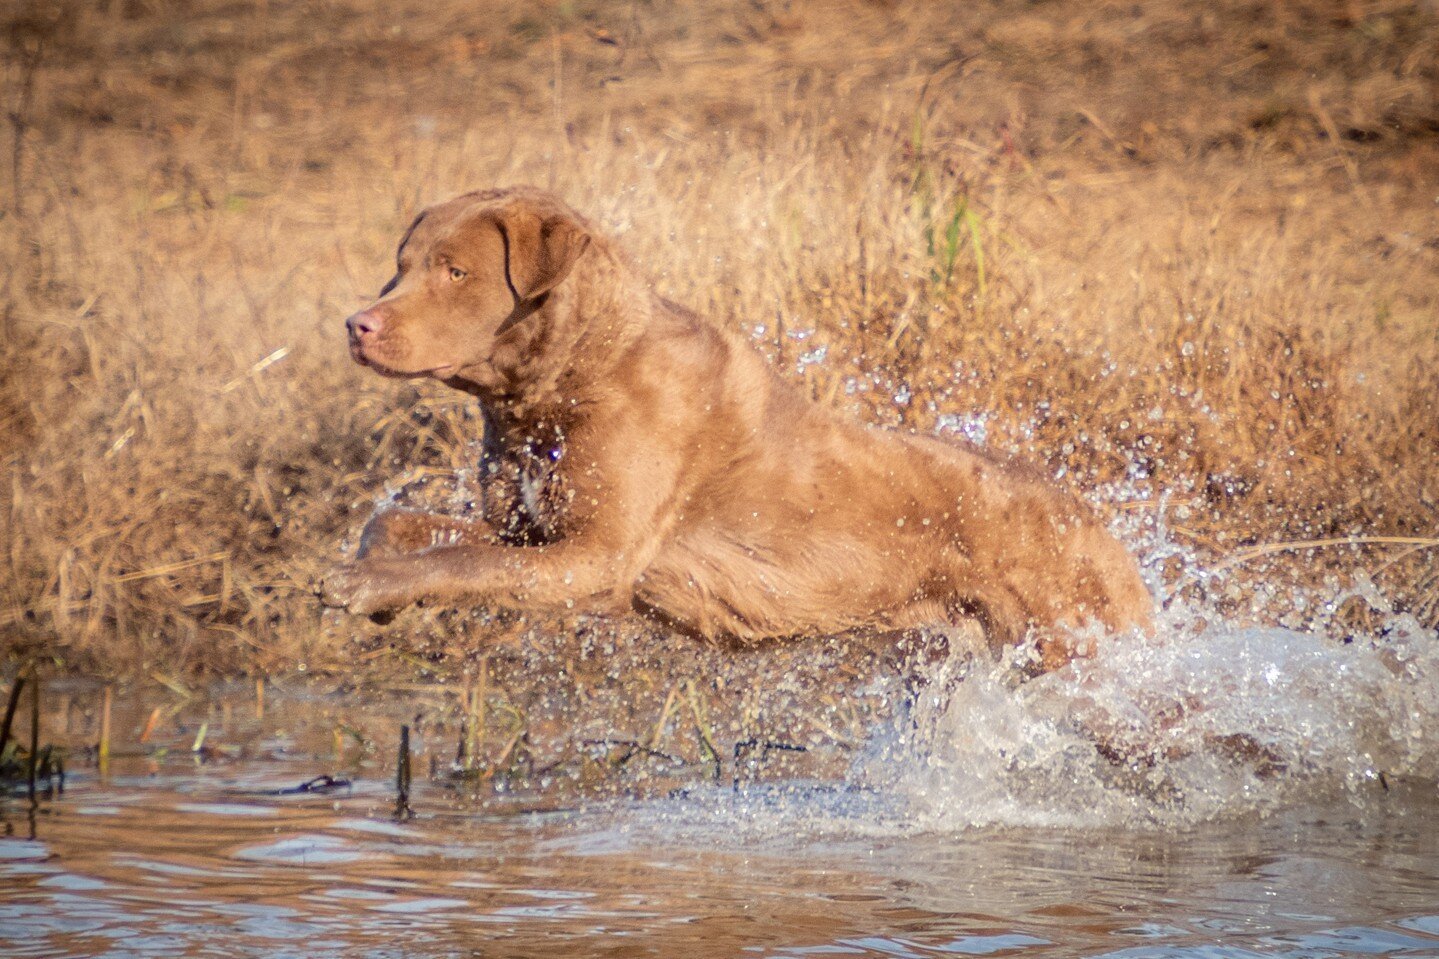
point(1172, 250)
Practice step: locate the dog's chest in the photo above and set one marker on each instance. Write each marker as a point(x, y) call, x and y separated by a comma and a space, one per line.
point(525, 496)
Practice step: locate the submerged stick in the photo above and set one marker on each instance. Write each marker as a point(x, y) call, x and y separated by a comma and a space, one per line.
point(320, 784)
point(402, 777)
point(462, 755)
point(150, 725)
point(34, 729)
point(478, 719)
point(104, 751)
point(10, 710)
point(633, 748)
point(745, 746)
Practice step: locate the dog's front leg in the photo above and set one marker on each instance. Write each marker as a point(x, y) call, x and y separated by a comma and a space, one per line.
point(624, 509)
point(398, 532)
point(563, 574)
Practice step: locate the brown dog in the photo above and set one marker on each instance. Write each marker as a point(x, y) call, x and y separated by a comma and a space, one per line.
point(636, 455)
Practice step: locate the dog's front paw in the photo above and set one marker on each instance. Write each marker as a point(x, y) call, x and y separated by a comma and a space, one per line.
point(365, 587)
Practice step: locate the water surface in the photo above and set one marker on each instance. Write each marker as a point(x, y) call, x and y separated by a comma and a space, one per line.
point(169, 856)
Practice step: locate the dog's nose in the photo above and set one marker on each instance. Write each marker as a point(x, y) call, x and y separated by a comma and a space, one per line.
point(363, 324)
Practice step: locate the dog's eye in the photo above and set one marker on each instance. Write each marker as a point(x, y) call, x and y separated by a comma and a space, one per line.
point(457, 274)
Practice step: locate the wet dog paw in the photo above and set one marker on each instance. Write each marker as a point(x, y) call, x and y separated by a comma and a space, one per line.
point(366, 588)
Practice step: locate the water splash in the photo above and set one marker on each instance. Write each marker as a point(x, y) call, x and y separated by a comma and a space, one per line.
point(972, 426)
point(1185, 726)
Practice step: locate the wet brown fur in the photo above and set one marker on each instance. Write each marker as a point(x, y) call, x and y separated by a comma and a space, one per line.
point(636, 455)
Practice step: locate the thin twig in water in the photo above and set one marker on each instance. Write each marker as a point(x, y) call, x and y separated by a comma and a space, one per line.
point(634, 746)
point(34, 730)
point(402, 777)
point(103, 753)
point(15, 689)
point(150, 725)
point(764, 745)
point(320, 784)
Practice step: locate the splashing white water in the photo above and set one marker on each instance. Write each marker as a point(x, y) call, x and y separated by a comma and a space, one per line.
point(1183, 726)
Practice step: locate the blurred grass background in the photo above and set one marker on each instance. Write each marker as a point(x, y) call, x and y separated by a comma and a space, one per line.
point(1170, 250)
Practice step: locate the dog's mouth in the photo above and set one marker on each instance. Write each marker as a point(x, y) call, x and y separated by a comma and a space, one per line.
point(357, 354)
point(441, 372)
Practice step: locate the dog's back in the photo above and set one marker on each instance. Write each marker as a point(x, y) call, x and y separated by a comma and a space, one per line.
point(798, 520)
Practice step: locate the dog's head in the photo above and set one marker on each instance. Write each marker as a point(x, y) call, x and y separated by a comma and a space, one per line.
point(466, 271)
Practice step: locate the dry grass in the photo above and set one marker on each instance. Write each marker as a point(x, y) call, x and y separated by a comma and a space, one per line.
point(1166, 248)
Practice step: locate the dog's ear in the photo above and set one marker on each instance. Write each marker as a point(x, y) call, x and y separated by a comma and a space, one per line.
point(541, 247)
